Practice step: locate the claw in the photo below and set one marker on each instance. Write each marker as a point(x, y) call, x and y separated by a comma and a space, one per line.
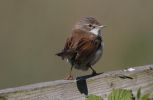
point(69, 77)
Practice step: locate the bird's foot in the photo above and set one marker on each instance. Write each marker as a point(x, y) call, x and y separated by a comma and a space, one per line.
point(94, 73)
point(69, 77)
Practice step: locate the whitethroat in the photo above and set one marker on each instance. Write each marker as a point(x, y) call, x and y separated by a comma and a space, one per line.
point(84, 46)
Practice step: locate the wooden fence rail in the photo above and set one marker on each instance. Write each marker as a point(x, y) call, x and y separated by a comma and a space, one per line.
point(102, 85)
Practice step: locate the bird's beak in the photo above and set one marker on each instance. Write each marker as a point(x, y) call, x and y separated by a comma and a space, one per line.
point(102, 26)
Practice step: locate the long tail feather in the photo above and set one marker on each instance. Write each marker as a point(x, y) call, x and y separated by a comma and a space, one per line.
point(66, 54)
point(61, 54)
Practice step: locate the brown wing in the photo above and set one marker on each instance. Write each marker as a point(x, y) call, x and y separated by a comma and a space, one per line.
point(86, 48)
point(69, 50)
point(80, 45)
point(78, 38)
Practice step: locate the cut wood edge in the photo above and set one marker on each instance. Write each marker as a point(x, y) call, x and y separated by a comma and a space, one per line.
point(109, 77)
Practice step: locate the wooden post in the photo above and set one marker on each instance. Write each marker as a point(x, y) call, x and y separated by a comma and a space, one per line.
point(102, 85)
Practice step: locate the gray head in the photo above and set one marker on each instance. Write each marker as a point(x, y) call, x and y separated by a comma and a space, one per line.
point(89, 24)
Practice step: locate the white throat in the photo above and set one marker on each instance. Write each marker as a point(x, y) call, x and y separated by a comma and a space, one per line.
point(95, 31)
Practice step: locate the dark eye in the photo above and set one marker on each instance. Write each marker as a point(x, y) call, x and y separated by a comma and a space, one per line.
point(90, 25)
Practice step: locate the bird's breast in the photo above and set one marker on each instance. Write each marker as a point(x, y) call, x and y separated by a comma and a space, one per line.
point(97, 55)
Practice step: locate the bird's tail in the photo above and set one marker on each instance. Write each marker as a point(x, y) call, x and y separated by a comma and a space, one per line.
point(61, 54)
point(66, 54)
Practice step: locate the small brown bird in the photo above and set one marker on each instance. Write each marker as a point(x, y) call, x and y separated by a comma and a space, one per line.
point(84, 47)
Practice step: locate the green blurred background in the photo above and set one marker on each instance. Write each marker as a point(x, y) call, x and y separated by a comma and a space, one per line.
point(32, 31)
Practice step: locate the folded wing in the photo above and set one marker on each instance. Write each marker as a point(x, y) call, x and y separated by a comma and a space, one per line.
point(80, 46)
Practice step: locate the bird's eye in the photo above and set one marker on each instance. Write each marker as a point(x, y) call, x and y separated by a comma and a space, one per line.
point(90, 25)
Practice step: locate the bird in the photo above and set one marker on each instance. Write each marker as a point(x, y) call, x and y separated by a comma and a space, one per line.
point(84, 46)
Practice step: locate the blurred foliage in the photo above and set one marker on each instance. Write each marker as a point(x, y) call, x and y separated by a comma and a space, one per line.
point(142, 97)
point(93, 97)
point(121, 94)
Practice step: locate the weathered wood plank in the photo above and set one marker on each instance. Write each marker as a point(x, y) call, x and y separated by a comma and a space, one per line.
point(101, 85)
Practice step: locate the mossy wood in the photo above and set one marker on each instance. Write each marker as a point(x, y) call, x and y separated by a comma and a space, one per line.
point(100, 85)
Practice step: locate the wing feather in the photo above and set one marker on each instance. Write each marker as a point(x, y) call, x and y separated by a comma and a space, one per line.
point(80, 45)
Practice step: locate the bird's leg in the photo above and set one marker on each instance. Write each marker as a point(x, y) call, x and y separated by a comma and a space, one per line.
point(70, 76)
point(93, 71)
point(71, 71)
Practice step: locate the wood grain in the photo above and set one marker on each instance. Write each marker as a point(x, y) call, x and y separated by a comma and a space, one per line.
point(101, 85)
